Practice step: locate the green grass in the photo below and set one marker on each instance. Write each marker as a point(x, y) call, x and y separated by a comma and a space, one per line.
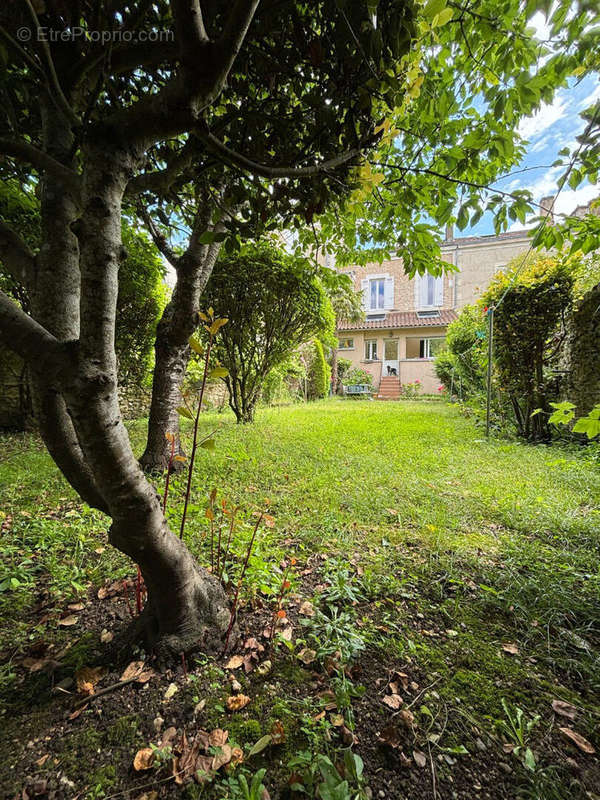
point(494, 540)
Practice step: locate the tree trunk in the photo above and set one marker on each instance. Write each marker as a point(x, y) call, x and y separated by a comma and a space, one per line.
point(334, 370)
point(171, 361)
point(171, 348)
point(187, 607)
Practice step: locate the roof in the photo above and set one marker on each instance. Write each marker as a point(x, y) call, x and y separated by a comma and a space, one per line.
point(401, 319)
point(490, 238)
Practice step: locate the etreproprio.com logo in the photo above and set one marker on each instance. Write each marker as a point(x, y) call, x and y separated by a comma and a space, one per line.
point(41, 34)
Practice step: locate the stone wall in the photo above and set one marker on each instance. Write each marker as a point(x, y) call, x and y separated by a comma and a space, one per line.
point(15, 405)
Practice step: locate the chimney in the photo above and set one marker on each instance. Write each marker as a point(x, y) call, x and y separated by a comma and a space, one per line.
point(546, 207)
point(449, 232)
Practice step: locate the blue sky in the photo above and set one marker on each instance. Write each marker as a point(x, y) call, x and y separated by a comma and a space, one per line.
point(555, 126)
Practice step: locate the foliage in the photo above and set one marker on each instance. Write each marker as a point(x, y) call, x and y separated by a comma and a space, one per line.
point(282, 384)
point(462, 366)
point(140, 302)
point(411, 390)
point(358, 376)
point(274, 302)
point(318, 373)
point(472, 76)
point(531, 298)
point(564, 413)
point(142, 293)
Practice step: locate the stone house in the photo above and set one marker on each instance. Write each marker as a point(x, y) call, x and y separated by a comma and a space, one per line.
point(406, 319)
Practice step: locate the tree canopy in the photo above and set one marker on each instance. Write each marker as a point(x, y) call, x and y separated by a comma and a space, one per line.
point(274, 302)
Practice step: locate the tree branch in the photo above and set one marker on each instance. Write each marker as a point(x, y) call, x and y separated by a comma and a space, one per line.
point(21, 150)
point(161, 180)
point(158, 238)
point(57, 95)
point(16, 256)
point(189, 28)
point(265, 171)
point(26, 337)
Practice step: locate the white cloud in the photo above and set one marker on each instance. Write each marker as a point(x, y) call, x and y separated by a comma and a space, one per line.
point(568, 200)
point(548, 115)
point(591, 98)
point(542, 29)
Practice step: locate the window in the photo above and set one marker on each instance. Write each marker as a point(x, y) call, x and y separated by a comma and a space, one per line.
point(430, 291)
point(371, 349)
point(377, 293)
point(424, 348)
point(345, 344)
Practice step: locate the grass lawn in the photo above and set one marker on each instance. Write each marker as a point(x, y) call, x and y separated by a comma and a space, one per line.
point(454, 585)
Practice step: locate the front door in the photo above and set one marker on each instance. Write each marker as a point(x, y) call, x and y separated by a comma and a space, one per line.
point(390, 357)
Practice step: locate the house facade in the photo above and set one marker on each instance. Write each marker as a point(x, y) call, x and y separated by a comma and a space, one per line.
point(406, 319)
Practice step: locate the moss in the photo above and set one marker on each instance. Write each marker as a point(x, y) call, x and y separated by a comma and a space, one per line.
point(124, 731)
point(83, 652)
point(101, 781)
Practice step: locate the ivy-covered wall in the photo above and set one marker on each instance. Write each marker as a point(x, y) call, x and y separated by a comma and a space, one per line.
point(583, 355)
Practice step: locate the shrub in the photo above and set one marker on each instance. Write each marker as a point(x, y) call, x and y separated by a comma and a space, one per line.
point(358, 376)
point(274, 302)
point(318, 375)
point(528, 334)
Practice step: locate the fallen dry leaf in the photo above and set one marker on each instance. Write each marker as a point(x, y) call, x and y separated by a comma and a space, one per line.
point(307, 656)
point(139, 671)
point(144, 759)
point(218, 737)
point(102, 593)
point(390, 736)
point(306, 609)
point(41, 761)
point(148, 796)
point(222, 757)
point(511, 648)
point(407, 717)
point(277, 733)
point(237, 702)
point(234, 662)
point(106, 637)
point(76, 606)
point(578, 740)
point(87, 677)
point(564, 709)
point(172, 690)
point(66, 622)
point(393, 701)
point(237, 756)
point(253, 644)
point(286, 633)
point(420, 758)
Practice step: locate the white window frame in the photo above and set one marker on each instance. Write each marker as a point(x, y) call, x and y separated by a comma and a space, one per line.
point(370, 346)
point(378, 295)
point(346, 339)
point(437, 287)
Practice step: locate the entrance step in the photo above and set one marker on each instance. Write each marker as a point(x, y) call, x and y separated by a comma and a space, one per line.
point(389, 388)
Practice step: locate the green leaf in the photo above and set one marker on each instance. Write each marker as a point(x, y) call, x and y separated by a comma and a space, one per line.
point(443, 17)
point(218, 372)
point(433, 8)
point(263, 742)
point(196, 346)
point(183, 411)
point(218, 323)
point(208, 444)
point(587, 425)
